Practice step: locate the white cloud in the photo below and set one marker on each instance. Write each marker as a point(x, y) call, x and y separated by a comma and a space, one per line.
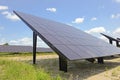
point(10, 16)
point(28, 42)
point(41, 43)
point(93, 19)
point(116, 32)
point(96, 30)
point(78, 20)
point(23, 41)
point(51, 9)
point(118, 1)
point(3, 7)
point(115, 16)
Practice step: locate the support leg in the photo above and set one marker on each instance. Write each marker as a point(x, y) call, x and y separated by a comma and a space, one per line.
point(110, 41)
point(100, 60)
point(62, 64)
point(117, 44)
point(34, 47)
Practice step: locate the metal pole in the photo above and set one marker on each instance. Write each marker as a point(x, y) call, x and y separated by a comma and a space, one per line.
point(117, 44)
point(100, 60)
point(110, 41)
point(34, 47)
point(62, 64)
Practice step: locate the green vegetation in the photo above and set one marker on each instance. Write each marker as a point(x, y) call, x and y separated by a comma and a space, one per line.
point(6, 44)
point(13, 70)
point(18, 66)
point(6, 54)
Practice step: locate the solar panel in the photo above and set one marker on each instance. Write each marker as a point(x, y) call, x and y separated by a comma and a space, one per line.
point(44, 49)
point(13, 48)
point(109, 37)
point(68, 41)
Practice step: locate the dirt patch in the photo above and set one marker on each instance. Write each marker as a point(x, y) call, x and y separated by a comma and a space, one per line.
point(23, 58)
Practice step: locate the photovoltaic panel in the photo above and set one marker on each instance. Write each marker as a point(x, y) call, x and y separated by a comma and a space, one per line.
point(109, 37)
point(68, 41)
point(16, 48)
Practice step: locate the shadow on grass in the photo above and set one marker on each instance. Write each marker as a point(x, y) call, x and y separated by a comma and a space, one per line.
point(76, 69)
point(84, 69)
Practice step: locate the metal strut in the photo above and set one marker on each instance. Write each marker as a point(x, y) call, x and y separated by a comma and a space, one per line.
point(117, 44)
point(110, 41)
point(34, 47)
point(62, 64)
point(100, 60)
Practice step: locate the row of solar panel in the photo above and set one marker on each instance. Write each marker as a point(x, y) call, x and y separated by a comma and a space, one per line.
point(69, 41)
point(12, 48)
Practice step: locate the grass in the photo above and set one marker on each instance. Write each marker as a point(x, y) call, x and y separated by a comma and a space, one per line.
point(48, 68)
point(5, 54)
point(14, 70)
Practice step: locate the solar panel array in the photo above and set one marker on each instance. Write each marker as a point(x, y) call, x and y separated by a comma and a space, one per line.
point(68, 41)
point(43, 50)
point(12, 48)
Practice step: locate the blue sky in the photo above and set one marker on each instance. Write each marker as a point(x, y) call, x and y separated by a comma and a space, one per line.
point(91, 16)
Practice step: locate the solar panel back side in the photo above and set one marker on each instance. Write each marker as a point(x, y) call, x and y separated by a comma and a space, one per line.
point(68, 41)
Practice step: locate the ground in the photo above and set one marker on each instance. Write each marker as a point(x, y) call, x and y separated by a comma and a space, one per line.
point(77, 70)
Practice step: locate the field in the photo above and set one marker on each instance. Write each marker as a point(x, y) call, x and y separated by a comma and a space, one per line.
point(19, 67)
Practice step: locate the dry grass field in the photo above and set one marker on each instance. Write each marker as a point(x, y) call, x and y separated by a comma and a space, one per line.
point(77, 70)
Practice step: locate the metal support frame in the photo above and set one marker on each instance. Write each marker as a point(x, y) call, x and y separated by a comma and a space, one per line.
point(62, 64)
point(34, 47)
point(117, 44)
point(100, 60)
point(92, 60)
point(110, 41)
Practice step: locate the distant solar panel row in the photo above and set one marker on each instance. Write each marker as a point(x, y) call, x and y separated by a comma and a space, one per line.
point(68, 41)
point(109, 37)
point(22, 49)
